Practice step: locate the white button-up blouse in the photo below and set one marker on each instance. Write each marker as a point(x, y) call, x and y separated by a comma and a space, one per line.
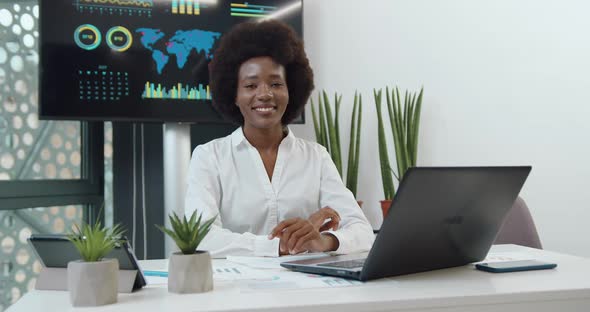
point(227, 178)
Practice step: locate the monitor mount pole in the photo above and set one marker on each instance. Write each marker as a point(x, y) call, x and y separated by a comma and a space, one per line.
point(177, 154)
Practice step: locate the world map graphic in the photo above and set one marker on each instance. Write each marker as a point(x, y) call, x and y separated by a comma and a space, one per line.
point(180, 45)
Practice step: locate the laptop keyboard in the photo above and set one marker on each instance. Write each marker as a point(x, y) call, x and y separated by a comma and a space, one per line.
point(348, 264)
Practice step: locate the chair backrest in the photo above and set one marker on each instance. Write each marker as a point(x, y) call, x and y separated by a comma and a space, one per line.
point(519, 228)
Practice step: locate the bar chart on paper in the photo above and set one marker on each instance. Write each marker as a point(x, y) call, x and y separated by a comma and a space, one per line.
point(234, 272)
point(250, 279)
point(285, 280)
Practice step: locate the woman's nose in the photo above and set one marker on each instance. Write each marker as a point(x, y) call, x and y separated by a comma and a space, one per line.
point(264, 92)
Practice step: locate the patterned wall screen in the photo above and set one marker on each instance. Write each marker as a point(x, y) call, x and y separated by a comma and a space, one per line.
point(29, 148)
point(32, 149)
point(18, 266)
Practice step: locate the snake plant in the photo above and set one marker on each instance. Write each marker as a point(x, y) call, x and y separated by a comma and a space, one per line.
point(327, 132)
point(405, 125)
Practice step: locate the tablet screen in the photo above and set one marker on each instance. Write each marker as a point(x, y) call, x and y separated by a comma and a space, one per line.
point(57, 251)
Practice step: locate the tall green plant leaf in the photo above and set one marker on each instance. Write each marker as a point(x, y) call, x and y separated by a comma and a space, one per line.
point(405, 129)
point(416, 126)
point(334, 148)
point(351, 149)
point(388, 190)
point(405, 123)
point(357, 144)
point(337, 100)
point(316, 126)
point(323, 127)
point(327, 130)
point(410, 133)
point(396, 131)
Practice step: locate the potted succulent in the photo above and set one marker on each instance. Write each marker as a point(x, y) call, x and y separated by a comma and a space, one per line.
point(189, 271)
point(93, 281)
point(405, 125)
point(327, 132)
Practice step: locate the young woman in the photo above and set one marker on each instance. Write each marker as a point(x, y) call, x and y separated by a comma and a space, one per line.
point(273, 193)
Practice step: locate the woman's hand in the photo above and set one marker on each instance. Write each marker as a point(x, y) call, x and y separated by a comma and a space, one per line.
point(294, 234)
point(327, 242)
point(299, 235)
point(318, 219)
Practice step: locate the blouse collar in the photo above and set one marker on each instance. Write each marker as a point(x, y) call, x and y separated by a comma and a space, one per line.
point(238, 137)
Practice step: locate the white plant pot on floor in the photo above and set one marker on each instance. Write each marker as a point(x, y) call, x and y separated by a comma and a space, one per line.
point(190, 273)
point(93, 283)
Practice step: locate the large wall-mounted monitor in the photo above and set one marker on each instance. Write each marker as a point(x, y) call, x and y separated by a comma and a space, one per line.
point(139, 60)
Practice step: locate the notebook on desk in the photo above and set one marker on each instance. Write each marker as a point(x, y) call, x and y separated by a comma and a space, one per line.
point(440, 217)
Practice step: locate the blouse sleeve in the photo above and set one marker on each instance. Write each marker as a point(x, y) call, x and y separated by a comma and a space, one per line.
point(204, 195)
point(354, 233)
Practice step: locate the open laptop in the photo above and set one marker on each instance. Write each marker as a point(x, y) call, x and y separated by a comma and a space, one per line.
point(440, 217)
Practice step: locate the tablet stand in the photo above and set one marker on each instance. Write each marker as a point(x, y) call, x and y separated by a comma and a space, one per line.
point(57, 279)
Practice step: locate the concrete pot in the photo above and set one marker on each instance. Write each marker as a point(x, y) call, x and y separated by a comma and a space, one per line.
point(93, 283)
point(190, 273)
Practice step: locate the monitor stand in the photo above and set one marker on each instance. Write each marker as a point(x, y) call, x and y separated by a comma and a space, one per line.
point(177, 156)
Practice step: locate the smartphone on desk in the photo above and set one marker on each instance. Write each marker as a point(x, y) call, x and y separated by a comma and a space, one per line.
point(514, 266)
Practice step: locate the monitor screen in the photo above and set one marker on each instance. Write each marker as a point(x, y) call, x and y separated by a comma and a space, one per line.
point(139, 60)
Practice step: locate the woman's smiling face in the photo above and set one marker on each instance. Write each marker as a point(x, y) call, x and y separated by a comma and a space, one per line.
point(262, 94)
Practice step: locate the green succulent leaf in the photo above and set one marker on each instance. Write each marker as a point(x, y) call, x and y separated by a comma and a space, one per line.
point(187, 233)
point(93, 241)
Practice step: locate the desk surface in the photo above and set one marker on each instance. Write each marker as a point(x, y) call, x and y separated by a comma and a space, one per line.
point(566, 288)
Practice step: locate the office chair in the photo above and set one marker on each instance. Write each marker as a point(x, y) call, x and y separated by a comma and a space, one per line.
point(519, 228)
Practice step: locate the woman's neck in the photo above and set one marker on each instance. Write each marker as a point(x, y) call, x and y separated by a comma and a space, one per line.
point(264, 139)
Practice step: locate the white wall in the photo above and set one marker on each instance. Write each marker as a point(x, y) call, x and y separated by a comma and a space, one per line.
point(506, 83)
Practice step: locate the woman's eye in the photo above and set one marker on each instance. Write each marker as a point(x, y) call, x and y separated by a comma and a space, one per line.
point(277, 84)
point(250, 86)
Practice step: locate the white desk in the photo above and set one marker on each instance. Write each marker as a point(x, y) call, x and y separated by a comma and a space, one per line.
point(566, 288)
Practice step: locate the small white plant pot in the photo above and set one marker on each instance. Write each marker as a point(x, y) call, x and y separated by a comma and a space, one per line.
point(190, 273)
point(93, 283)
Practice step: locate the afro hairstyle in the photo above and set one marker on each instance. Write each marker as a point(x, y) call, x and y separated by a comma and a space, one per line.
point(254, 39)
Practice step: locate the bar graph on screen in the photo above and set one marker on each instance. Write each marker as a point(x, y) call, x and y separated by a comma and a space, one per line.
point(251, 10)
point(176, 92)
point(187, 7)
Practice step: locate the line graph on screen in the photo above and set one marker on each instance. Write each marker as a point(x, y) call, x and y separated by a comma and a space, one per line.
point(116, 7)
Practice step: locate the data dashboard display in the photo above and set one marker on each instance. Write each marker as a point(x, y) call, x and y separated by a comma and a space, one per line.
point(139, 60)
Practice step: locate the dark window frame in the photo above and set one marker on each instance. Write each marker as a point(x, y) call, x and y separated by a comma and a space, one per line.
point(88, 190)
